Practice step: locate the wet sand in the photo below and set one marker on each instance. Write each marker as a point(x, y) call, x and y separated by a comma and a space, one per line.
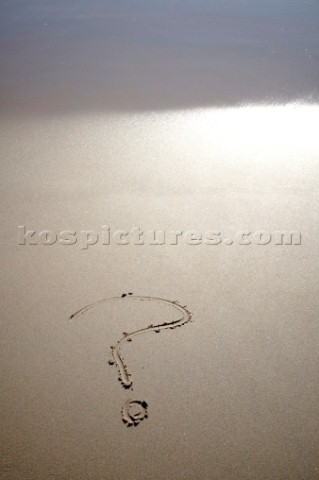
point(137, 55)
point(231, 395)
point(172, 116)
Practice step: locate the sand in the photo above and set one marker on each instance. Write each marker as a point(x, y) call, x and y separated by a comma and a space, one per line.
point(233, 394)
point(138, 55)
point(123, 123)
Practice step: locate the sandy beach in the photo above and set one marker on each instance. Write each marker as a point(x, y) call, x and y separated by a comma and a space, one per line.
point(160, 259)
point(233, 394)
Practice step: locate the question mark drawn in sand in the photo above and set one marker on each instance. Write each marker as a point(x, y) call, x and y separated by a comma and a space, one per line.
point(134, 411)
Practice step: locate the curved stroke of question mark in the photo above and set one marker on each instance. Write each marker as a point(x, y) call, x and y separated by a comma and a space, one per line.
point(124, 376)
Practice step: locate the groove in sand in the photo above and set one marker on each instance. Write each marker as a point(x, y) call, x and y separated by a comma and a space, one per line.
point(123, 373)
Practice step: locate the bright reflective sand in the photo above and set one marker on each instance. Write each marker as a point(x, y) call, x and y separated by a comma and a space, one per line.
point(232, 395)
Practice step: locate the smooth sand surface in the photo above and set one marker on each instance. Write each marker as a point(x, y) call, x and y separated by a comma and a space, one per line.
point(102, 55)
point(233, 394)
